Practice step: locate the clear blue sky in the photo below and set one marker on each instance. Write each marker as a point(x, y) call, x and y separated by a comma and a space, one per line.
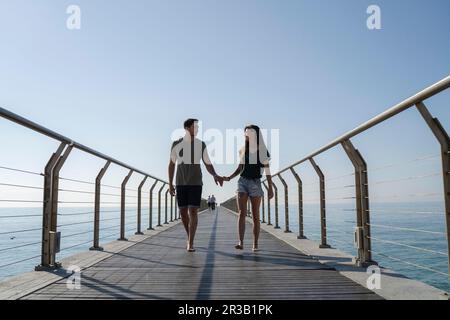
point(137, 69)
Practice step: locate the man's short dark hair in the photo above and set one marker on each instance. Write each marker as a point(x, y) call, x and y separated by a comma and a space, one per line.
point(189, 122)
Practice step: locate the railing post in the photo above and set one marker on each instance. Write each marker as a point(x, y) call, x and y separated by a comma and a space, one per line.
point(443, 138)
point(275, 189)
point(301, 234)
point(165, 207)
point(269, 223)
point(139, 207)
point(323, 219)
point(122, 207)
point(47, 210)
point(362, 233)
point(150, 207)
point(159, 205)
point(171, 209)
point(98, 180)
point(286, 204)
point(177, 213)
point(263, 209)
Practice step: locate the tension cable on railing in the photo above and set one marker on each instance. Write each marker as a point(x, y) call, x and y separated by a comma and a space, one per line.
point(406, 229)
point(20, 186)
point(427, 157)
point(20, 246)
point(409, 246)
point(408, 178)
point(21, 171)
point(410, 263)
point(20, 231)
point(19, 261)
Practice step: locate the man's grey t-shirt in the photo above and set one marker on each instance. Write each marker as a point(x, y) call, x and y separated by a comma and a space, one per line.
point(188, 153)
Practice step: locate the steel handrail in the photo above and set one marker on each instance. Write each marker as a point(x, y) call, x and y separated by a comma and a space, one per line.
point(400, 107)
point(54, 135)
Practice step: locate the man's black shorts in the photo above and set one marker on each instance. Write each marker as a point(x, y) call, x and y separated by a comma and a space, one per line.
point(189, 196)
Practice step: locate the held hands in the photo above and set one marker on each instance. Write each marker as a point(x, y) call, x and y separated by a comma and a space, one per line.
point(218, 180)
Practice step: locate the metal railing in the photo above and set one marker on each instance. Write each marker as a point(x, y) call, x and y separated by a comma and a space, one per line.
point(51, 192)
point(363, 226)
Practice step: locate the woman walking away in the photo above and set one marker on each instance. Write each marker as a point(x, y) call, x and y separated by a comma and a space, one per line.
point(254, 159)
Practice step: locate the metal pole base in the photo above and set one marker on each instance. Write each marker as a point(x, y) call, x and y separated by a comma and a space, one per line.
point(301, 237)
point(166, 223)
point(277, 227)
point(150, 228)
point(324, 246)
point(139, 233)
point(287, 231)
point(41, 267)
point(366, 264)
point(269, 224)
point(159, 225)
point(96, 249)
point(122, 239)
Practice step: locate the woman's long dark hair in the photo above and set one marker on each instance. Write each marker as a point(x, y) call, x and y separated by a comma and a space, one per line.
point(260, 144)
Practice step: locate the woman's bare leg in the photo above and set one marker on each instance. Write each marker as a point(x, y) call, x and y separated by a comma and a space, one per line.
point(242, 199)
point(256, 203)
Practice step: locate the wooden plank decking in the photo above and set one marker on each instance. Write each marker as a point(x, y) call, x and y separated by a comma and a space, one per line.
point(160, 268)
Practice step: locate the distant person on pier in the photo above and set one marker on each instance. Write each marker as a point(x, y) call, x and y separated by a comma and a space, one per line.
point(209, 203)
point(186, 153)
point(213, 203)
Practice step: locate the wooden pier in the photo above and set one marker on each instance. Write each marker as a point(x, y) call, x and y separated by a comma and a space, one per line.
point(159, 267)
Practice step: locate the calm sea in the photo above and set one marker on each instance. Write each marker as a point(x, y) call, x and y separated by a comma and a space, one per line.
point(407, 237)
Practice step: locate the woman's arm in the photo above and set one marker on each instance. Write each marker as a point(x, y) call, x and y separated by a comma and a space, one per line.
point(269, 179)
point(235, 173)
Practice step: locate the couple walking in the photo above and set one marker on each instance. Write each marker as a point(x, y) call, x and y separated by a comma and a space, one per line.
point(186, 154)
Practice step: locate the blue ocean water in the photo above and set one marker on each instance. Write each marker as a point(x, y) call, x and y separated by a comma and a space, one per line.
point(75, 225)
point(406, 237)
point(395, 231)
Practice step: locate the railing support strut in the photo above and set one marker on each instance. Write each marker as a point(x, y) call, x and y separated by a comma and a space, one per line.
point(98, 180)
point(444, 140)
point(362, 231)
point(323, 217)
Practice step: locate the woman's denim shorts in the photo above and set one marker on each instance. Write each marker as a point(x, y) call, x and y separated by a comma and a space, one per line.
point(252, 187)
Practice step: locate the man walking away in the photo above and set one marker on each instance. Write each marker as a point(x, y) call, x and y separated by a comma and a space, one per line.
point(213, 203)
point(187, 153)
point(209, 203)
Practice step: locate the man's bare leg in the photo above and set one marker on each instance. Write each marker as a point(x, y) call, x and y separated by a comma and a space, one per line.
point(193, 221)
point(184, 212)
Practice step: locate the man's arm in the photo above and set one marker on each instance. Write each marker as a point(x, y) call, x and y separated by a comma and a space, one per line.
point(171, 173)
point(171, 170)
point(210, 167)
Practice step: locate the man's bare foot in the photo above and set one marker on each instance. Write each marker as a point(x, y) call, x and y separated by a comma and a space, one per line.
point(255, 249)
point(239, 247)
point(191, 249)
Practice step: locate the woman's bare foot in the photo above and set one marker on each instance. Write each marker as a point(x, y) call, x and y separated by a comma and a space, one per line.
point(255, 249)
point(239, 247)
point(191, 250)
